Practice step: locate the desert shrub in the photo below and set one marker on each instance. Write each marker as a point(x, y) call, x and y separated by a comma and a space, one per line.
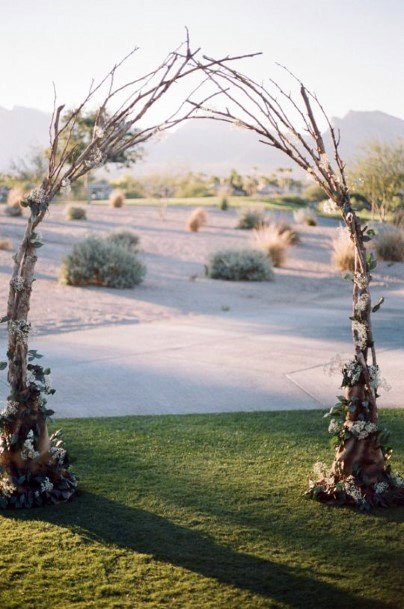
point(343, 251)
point(6, 244)
point(273, 243)
point(13, 206)
point(389, 244)
point(124, 238)
point(72, 212)
point(239, 265)
point(117, 198)
point(314, 193)
point(305, 216)
point(197, 219)
point(97, 261)
point(224, 204)
point(284, 228)
point(251, 218)
point(398, 218)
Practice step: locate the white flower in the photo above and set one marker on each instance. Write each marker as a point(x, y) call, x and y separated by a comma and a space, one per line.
point(58, 454)
point(361, 429)
point(353, 490)
point(46, 486)
point(334, 426)
point(65, 186)
point(28, 450)
point(10, 410)
point(329, 207)
point(98, 132)
point(360, 334)
point(7, 487)
point(351, 371)
point(95, 159)
point(380, 487)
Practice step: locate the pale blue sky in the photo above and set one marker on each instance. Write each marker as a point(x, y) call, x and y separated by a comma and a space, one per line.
point(349, 51)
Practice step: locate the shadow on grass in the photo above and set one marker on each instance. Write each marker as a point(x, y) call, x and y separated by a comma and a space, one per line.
point(97, 518)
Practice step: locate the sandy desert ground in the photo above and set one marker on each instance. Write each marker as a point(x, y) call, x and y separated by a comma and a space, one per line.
point(175, 284)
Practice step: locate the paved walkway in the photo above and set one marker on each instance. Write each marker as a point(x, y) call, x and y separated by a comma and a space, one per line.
point(219, 363)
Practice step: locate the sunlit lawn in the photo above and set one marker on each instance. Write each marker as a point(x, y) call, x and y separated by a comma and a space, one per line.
point(201, 511)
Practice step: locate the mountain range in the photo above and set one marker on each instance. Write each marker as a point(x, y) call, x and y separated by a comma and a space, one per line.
point(206, 146)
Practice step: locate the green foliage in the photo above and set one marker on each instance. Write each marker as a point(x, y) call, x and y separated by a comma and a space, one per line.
point(315, 194)
point(84, 131)
point(239, 265)
point(379, 176)
point(251, 218)
point(125, 238)
point(100, 262)
point(73, 212)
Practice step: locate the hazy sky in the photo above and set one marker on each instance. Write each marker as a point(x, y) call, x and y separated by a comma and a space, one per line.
point(349, 51)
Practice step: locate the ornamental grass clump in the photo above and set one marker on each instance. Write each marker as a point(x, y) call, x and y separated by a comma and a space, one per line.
point(117, 198)
point(100, 262)
point(239, 265)
point(73, 212)
point(197, 219)
point(13, 206)
point(251, 218)
point(284, 228)
point(305, 216)
point(273, 243)
point(6, 244)
point(389, 244)
point(398, 218)
point(343, 251)
point(125, 238)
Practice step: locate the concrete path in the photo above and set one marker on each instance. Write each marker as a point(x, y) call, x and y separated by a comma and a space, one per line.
point(220, 363)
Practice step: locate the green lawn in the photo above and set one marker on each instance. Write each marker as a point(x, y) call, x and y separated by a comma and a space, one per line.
point(201, 512)
point(235, 202)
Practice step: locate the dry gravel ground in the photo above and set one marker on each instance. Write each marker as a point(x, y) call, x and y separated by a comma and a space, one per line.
point(175, 284)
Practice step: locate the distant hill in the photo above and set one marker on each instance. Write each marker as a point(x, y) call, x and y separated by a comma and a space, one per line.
point(21, 129)
point(207, 146)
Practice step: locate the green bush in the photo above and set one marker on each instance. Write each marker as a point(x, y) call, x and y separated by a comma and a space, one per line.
point(124, 238)
point(73, 212)
point(97, 261)
point(224, 204)
point(251, 218)
point(239, 265)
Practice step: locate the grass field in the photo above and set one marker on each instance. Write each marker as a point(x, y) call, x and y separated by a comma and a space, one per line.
point(201, 512)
